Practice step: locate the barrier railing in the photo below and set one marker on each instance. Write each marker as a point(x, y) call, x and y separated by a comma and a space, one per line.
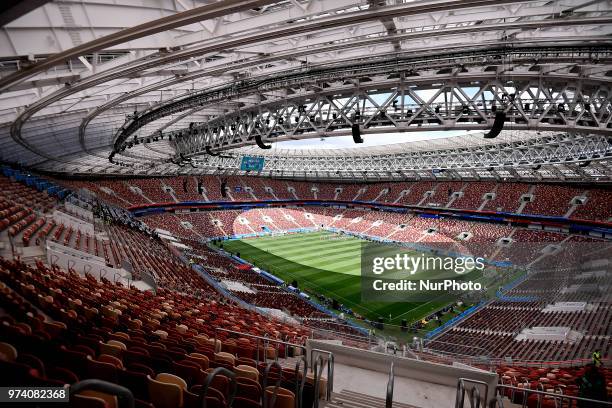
point(317, 369)
point(299, 384)
point(220, 371)
point(390, 385)
point(261, 340)
point(330, 368)
point(149, 279)
point(474, 393)
point(276, 385)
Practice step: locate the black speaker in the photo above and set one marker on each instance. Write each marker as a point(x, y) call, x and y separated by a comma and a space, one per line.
point(404, 325)
point(381, 323)
point(356, 133)
point(185, 185)
point(200, 189)
point(223, 188)
point(261, 144)
point(335, 304)
point(498, 125)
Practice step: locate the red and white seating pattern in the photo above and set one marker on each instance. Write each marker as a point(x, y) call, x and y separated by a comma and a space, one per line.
point(548, 199)
point(507, 197)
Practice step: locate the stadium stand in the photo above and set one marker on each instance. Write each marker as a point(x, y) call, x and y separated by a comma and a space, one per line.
point(306, 203)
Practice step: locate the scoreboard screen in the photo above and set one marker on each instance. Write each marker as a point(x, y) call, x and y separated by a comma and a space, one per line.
point(252, 163)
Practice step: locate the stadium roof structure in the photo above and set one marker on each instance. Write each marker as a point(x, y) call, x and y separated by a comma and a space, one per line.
point(186, 86)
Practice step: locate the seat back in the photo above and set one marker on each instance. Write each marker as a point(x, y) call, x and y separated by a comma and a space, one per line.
point(110, 401)
point(246, 361)
point(248, 391)
point(243, 402)
point(102, 371)
point(192, 374)
point(172, 379)
point(110, 349)
point(165, 395)
point(247, 371)
point(84, 401)
point(201, 359)
point(135, 382)
point(284, 397)
point(107, 358)
point(225, 358)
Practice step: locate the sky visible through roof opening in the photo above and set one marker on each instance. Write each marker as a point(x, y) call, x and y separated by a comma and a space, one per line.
point(346, 142)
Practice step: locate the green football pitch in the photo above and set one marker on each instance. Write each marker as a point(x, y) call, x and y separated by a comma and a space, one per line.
point(325, 263)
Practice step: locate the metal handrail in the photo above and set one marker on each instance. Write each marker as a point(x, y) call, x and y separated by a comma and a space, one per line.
point(276, 386)
point(475, 397)
point(561, 400)
point(390, 384)
point(299, 384)
point(317, 369)
point(266, 342)
point(260, 338)
point(125, 398)
point(330, 369)
point(499, 402)
point(220, 371)
point(474, 393)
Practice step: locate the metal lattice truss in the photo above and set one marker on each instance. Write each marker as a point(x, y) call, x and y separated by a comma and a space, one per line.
point(381, 105)
point(532, 152)
point(82, 79)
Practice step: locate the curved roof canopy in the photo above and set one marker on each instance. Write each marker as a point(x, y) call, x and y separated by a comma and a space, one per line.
point(190, 86)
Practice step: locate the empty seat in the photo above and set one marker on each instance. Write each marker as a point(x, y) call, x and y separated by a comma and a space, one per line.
point(225, 358)
point(8, 352)
point(102, 371)
point(111, 349)
point(105, 358)
point(84, 401)
point(135, 382)
point(110, 401)
point(284, 397)
point(247, 371)
point(189, 371)
point(201, 359)
point(166, 390)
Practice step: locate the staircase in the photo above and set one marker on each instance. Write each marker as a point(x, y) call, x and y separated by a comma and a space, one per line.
point(486, 201)
point(352, 399)
point(451, 201)
point(70, 24)
point(382, 192)
point(425, 197)
point(524, 203)
point(170, 192)
point(359, 192)
point(573, 207)
point(295, 197)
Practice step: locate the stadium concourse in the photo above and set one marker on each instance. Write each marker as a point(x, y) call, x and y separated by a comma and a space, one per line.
point(306, 203)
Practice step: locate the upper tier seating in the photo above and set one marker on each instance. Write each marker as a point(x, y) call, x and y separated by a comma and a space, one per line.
point(473, 195)
point(552, 200)
point(547, 199)
point(507, 197)
point(597, 206)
